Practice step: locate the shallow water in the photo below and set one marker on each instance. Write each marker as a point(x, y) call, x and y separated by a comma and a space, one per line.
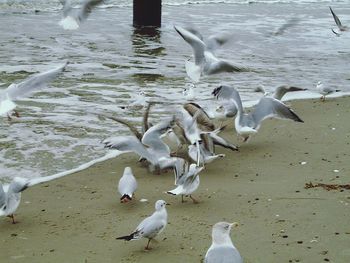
point(110, 63)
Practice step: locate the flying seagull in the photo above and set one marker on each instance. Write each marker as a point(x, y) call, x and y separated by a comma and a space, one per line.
point(247, 124)
point(151, 226)
point(73, 17)
point(205, 62)
point(25, 88)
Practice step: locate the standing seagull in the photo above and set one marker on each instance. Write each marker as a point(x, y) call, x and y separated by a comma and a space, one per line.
point(73, 17)
point(247, 124)
point(325, 90)
point(222, 249)
point(151, 226)
point(205, 62)
point(127, 185)
point(338, 23)
point(187, 183)
point(25, 88)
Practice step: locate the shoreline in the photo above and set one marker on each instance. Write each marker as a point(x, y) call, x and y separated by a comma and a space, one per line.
point(76, 218)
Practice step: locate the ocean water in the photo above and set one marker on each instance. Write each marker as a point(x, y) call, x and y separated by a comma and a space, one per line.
point(111, 62)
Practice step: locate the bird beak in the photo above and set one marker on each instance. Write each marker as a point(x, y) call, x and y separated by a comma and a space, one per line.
point(235, 224)
point(167, 204)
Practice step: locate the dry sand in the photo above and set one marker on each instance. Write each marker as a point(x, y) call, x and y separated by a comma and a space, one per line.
point(76, 218)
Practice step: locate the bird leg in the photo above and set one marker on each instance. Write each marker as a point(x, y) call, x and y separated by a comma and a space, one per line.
point(9, 117)
point(323, 98)
point(182, 199)
point(195, 201)
point(12, 216)
point(147, 247)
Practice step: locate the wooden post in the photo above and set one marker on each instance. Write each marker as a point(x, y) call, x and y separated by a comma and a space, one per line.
point(147, 13)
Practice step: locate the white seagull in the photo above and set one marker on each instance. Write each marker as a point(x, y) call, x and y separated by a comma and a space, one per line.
point(187, 183)
point(127, 185)
point(325, 90)
point(73, 17)
point(222, 249)
point(151, 226)
point(205, 62)
point(247, 124)
point(25, 88)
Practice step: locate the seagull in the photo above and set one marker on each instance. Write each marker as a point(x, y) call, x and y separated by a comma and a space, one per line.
point(73, 17)
point(25, 88)
point(10, 194)
point(222, 249)
point(127, 185)
point(279, 92)
point(325, 90)
point(151, 226)
point(338, 23)
point(247, 124)
point(205, 62)
point(149, 146)
point(187, 183)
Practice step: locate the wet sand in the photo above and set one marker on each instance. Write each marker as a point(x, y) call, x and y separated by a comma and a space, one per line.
point(76, 218)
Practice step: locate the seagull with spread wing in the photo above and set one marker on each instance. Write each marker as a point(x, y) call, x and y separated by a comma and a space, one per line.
point(73, 17)
point(247, 124)
point(25, 88)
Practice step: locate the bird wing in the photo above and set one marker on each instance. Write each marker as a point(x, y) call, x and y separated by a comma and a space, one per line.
point(215, 41)
point(197, 45)
point(223, 254)
point(269, 107)
point(2, 196)
point(129, 144)
point(202, 117)
point(152, 139)
point(145, 124)
point(283, 89)
point(289, 23)
point(33, 83)
point(18, 185)
point(336, 19)
point(67, 7)
point(150, 227)
point(87, 7)
point(195, 32)
point(224, 66)
point(180, 170)
point(131, 127)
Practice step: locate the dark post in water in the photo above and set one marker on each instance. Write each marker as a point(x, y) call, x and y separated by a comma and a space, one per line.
point(147, 13)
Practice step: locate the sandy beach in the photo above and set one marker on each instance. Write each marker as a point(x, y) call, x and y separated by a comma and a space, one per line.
point(77, 218)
